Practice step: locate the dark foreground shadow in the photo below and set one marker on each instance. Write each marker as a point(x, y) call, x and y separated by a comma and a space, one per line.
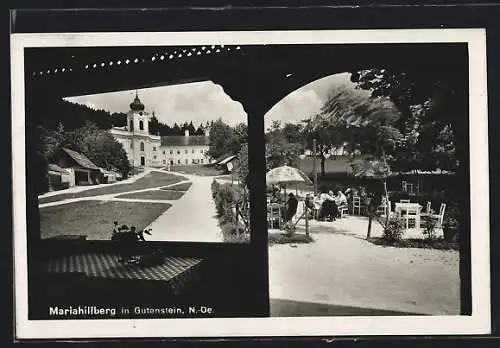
point(290, 308)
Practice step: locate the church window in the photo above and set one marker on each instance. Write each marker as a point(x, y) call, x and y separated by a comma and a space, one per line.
point(185, 151)
point(142, 146)
point(178, 161)
point(141, 125)
point(132, 145)
point(187, 161)
point(131, 125)
point(163, 151)
point(201, 161)
point(178, 152)
point(163, 161)
point(154, 157)
point(154, 148)
point(193, 151)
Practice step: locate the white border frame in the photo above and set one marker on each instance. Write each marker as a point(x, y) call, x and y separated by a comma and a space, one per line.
point(478, 323)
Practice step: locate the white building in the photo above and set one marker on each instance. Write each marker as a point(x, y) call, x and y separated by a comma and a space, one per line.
point(185, 150)
point(146, 150)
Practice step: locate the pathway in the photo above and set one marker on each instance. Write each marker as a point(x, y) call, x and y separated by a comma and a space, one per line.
point(341, 272)
point(192, 218)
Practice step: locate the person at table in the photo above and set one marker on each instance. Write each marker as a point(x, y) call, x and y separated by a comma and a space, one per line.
point(309, 202)
point(340, 199)
point(276, 195)
point(291, 207)
point(329, 209)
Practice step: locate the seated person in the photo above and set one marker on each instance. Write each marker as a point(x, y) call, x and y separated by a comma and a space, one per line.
point(291, 207)
point(340, 199)
point(329, 209)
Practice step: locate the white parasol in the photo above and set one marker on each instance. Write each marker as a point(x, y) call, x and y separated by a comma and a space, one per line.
point(286, 175)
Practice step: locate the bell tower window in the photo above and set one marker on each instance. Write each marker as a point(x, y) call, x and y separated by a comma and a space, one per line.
point(131, 125)
point(141, 125)
point(142, 146)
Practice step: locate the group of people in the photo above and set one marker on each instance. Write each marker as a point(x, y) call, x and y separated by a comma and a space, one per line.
point(327, 204)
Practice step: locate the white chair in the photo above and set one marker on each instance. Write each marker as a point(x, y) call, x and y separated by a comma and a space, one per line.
point(343, 210)
point(439, 217)
point(412, 213)
point(356, 204)
point(273, 214)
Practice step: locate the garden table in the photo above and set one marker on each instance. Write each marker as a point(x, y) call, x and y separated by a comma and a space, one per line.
point(400, 207)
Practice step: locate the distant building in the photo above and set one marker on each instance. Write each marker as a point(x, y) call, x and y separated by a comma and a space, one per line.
point(228, 164)
point(75, 168)
point(185, 150)
point(142, 148)
point(146, 150)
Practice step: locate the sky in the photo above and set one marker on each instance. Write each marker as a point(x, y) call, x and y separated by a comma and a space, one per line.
point(205, 101)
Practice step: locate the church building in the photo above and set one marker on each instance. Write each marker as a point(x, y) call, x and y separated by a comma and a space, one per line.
point(147, 150)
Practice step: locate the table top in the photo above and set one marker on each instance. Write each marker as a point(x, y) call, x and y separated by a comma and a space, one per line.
point(103, 265)
point(407, 206)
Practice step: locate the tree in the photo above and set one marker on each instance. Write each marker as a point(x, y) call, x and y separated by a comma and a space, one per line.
point(154, 126)
point(365, 124)
point(428, 104)
point(176, 130)
point(338, 122)
point(293, 133)
point(220, 133)
point(200, 130)
point(118, 119)
point(190, 128)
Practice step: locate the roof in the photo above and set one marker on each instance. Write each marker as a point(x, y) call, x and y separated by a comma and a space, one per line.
point(57, 169)
point(227, 159)
point(81, 159)
point(181, 140)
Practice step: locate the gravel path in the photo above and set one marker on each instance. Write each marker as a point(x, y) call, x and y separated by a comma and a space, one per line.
point(339, 269)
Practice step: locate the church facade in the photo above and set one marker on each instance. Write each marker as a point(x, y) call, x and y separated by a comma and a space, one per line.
point(147, 150)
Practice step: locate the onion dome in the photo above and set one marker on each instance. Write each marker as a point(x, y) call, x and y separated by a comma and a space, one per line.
point(136, 105)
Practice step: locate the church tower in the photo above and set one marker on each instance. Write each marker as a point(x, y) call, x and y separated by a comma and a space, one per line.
point(137, 118)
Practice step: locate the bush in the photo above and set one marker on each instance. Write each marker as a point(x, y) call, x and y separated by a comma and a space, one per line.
point(429, 227)
point(394, 230)
point(226, 197)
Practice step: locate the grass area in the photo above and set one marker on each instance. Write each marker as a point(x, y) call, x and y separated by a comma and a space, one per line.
point(95, 218)
point(179, 187)
point(285, 238)
point(203, 170)
point(438, 243)
point(154, 194)
point(150, 180)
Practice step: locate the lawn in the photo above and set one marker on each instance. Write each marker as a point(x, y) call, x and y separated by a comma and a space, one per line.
point(95, 218)
point(154, 194)
point(153, 179)
point(203, 170)
point(179, 187)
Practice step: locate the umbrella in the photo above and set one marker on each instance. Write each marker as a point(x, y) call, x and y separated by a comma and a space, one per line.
point(286, 175)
